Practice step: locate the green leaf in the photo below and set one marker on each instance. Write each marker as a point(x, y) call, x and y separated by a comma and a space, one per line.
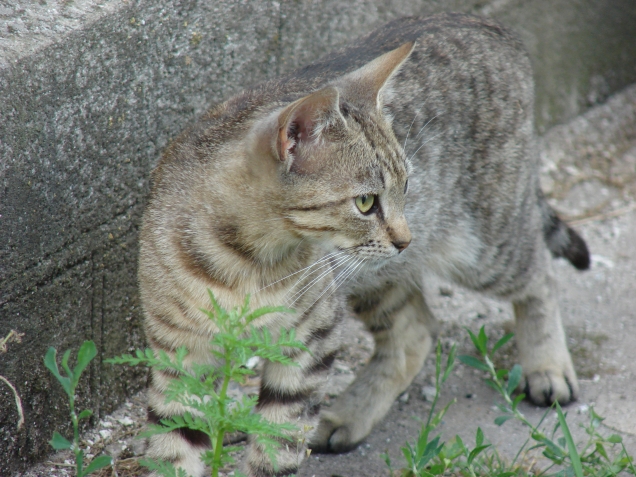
point(514, 378)
point(51, 363)
point(574, 455)
point(517, 400)
point(59, 442)
point(501, 342)
point(98, 463)
point(450, 363)
point(475, 341)
point(86, 413)
point(483, 340)
point(65, 367)
point(479, 437)
point(475, 452)
point(85, 355)
point(501, 374)
point(79, 463)
point(601, 450)
point(501, 419)
point(432, 449)
point(615, 439)
point(473, 362)
point(440, 415)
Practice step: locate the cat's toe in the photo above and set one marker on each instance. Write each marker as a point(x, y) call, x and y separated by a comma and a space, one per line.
point(333, 436)
point(545, 387)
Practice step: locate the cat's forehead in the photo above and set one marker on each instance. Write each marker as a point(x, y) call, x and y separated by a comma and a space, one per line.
point(381, 154)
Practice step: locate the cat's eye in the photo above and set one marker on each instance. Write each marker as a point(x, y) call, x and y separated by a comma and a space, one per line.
point(366, 203)
point(406, 186)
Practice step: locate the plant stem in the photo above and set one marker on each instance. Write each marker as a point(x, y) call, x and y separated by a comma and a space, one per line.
point(18, 402)
point(504, 393)
point(220, 433)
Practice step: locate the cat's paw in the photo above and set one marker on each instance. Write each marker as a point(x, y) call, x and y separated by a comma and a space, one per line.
point(544, 387)
point(335, 435)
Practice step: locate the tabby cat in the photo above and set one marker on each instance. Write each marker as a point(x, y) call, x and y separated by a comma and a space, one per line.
point(409, 152)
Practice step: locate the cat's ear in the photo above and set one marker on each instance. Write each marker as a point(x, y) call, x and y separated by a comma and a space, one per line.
point(302, 122)
point(369, 84)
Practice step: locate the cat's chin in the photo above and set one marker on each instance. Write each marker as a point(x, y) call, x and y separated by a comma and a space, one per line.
point(375, 264)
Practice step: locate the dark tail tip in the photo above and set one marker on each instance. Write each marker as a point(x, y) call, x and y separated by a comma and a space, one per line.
point(563, 241)
point(577, 252)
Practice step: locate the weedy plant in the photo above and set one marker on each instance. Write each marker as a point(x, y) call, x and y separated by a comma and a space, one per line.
point(592, 458)
point(204, 388)
point(69, 383)
point(15, 336)
point(600, 456)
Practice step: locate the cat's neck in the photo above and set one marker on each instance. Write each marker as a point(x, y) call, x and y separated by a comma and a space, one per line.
point(246, 242)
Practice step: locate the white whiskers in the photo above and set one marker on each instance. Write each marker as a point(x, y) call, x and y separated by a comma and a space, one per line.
point(418, 135)
point(326, 257)
point(423, 144)
point(350, 269)
point(296, 296)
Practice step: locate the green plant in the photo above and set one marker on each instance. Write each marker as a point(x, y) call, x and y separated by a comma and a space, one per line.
point(590, 459)
point(203, 388)
point(69, 383)
point(597, 457)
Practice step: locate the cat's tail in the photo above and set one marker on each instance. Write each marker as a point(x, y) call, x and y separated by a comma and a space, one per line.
point(563, 241)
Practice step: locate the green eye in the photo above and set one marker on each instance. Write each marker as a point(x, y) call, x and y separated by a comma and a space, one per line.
point(365, 203)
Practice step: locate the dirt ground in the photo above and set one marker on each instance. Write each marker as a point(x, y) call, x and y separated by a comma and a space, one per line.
point(589, 173)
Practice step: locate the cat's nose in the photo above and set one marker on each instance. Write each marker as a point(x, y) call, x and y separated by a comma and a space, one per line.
point(401, 245)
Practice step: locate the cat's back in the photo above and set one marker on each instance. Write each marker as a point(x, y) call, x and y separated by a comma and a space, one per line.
point(440, 40)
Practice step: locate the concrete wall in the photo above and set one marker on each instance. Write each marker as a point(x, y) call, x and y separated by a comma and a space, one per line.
point(90, 94)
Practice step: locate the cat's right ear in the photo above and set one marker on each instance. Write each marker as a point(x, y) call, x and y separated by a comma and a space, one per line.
point(300, 125)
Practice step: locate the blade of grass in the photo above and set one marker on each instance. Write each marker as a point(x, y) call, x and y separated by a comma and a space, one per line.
point(574, 455)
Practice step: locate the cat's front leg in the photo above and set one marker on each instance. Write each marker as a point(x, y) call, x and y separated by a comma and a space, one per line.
point(292, 394)
point(404, 330)
point(182, 447)
point(543, 353)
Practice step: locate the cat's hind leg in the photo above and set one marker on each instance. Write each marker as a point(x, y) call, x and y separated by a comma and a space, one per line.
point(404, 330)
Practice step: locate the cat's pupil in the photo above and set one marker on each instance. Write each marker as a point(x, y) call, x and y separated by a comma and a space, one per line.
point(406, 186)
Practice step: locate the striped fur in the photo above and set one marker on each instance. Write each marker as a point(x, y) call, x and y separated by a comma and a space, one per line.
point(260, 197)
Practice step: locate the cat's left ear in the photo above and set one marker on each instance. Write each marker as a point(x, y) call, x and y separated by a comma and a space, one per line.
point(300, 125)
point(369, 85)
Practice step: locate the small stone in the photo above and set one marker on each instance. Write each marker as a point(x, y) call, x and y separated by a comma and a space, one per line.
point(126, 421)
point(428, 393)
point(404, 397)
point(342, 368)
point(105, 433)
point(596, 378)
point(446, 291)
point(583, 408)
point(138, 446)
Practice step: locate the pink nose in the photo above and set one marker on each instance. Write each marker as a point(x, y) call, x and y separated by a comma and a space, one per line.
point(401, 245)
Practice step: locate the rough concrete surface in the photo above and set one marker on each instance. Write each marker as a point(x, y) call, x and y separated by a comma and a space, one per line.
point(580, 160)
point(91, 91)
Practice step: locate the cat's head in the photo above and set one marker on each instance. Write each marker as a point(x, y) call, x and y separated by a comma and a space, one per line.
point(342, 175)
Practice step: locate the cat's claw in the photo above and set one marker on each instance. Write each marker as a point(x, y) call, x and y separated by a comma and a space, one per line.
point(545, 387)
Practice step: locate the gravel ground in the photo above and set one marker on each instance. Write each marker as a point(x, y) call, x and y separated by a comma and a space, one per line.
point(589, 174)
